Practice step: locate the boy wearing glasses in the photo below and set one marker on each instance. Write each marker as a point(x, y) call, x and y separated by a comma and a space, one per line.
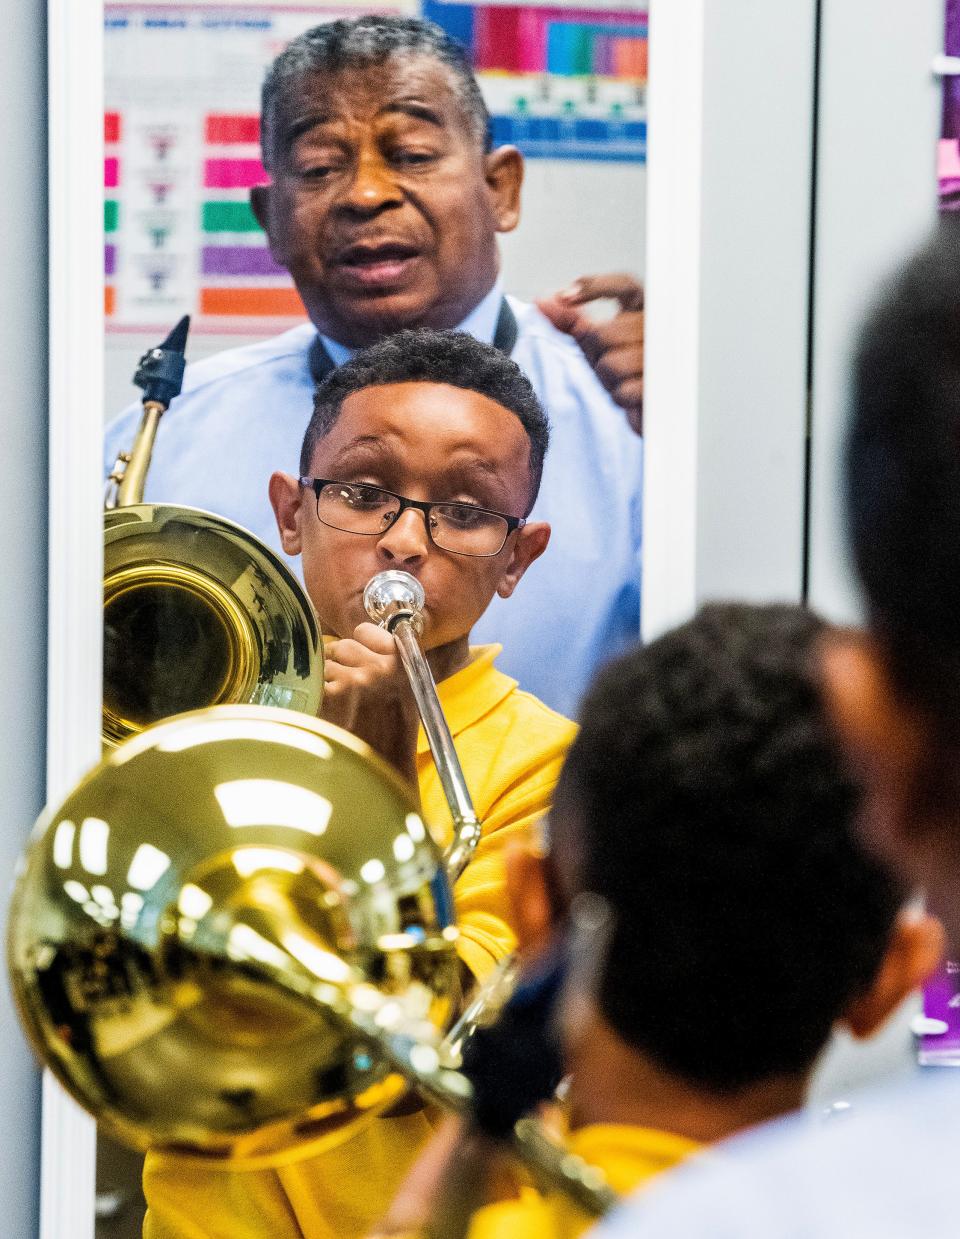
point(424, 454)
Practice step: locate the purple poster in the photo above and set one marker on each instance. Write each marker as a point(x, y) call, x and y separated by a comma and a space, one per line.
point(948, 162)
point(940, 1027)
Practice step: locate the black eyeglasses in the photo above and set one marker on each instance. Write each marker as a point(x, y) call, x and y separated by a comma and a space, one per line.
point(462, 528)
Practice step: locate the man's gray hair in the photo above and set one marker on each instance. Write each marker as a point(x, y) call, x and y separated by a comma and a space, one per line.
point(358, 43)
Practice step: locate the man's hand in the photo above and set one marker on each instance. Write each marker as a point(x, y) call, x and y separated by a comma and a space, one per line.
point(366, 691)
point(614, 348)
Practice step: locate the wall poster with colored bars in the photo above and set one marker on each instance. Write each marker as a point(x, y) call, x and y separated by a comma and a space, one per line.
point(182, 92)
point(181, 129)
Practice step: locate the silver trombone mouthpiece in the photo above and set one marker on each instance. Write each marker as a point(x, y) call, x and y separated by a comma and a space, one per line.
point(392, 596)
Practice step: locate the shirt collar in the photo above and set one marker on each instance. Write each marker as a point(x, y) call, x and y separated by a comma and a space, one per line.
point(471, 692)
point(481, 323)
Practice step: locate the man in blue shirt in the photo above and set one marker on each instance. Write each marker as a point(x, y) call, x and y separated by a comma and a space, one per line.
point(384, 205)
point(888, 1172)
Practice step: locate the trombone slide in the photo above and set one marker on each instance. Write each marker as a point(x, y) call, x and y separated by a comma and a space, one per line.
point(395, 600)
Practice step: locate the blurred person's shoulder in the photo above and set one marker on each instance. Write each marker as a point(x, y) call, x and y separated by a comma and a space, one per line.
point(886, 1170)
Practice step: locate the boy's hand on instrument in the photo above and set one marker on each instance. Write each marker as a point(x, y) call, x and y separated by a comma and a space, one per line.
point(417, 1196)
point(613, 347)
point(457, 1172)
point(366, 691)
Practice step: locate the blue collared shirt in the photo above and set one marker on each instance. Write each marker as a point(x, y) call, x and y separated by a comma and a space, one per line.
point(243, 413)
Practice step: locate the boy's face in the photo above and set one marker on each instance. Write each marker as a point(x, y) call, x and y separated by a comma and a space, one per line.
point(429, 442)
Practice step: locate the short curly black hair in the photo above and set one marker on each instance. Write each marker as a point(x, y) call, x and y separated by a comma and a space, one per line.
point(706, 803)
point(425, 356)
point(903, 474)
point(358, 43)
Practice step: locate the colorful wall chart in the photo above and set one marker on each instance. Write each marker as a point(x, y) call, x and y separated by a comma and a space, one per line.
point(181, 134)
point(182, 150)
point(560, 83)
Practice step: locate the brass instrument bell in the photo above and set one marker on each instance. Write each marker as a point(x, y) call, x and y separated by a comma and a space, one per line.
point(201, 932)
point(197, 612)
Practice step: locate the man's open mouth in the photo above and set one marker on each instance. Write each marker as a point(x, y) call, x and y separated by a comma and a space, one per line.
point(373, 264)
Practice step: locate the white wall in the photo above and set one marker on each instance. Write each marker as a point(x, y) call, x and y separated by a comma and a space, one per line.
point(75, 497)
point(876, 195)
point(578, 218)
point(730, 105)
point(23, 551)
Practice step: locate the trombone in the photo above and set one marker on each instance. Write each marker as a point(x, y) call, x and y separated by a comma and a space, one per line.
point(247, 902)
point(244, 900)
point(197, 611)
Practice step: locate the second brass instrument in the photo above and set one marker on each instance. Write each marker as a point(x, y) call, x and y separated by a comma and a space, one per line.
point(197, 611)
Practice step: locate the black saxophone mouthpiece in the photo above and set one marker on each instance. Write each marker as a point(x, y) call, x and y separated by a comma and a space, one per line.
point(160, 370)
point(176, 341)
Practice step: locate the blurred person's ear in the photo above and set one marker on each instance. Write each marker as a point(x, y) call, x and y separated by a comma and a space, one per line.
point(885, 742)
point(916, 947)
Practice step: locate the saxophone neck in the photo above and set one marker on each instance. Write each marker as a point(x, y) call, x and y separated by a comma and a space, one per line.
point(128, 477)
point(160, 375)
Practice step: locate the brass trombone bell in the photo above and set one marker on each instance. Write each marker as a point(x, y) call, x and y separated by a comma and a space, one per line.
point(200, 930)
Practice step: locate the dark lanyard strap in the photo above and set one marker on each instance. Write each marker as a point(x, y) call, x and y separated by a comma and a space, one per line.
point(504, 339)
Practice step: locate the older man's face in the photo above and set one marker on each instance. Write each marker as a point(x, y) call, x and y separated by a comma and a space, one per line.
point(383, 206)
